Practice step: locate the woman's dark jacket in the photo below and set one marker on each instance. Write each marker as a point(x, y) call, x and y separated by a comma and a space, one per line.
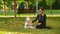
point(41, 19)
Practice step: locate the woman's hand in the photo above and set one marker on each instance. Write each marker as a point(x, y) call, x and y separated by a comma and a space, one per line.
point(39, 23)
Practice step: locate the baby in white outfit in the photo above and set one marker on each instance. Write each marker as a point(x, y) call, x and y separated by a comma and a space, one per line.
point(28, 23)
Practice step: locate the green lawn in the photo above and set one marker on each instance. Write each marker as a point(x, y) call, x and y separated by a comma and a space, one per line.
point(10, 24)
point(11, 12)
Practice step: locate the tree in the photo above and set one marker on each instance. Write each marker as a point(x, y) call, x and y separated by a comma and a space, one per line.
point(1, 4)
point(9, 4)
point(15, 5)
point(4, 8)
point(50, 3)
point(51, 6)
point(56, 4)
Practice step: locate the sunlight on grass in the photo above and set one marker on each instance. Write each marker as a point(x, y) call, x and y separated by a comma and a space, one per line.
point(14, 25)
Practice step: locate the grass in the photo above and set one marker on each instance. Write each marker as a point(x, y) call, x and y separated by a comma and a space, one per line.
point(10, 24)
point(11, 12)
point(13, 25)
point(54, 12)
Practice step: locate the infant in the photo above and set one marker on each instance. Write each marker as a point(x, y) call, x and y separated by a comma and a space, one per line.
point(28, 23)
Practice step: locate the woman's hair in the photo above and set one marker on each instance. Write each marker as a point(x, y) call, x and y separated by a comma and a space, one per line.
point(41, 8)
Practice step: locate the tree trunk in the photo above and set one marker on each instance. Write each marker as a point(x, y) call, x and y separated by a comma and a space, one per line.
point(37, 6)
point(4, 9)
point(15, 8)
point(51, 6)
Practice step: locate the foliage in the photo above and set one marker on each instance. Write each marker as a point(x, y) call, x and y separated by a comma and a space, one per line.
point(32, 3)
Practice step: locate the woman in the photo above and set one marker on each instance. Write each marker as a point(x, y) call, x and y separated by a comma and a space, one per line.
point(41, 19)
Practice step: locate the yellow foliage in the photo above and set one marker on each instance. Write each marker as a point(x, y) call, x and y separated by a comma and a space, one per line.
point(5, 7)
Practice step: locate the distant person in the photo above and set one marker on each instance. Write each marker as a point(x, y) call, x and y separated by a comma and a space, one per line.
point(41, 17)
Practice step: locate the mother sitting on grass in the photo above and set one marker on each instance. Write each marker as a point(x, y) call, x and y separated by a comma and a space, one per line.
point(41, 19)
